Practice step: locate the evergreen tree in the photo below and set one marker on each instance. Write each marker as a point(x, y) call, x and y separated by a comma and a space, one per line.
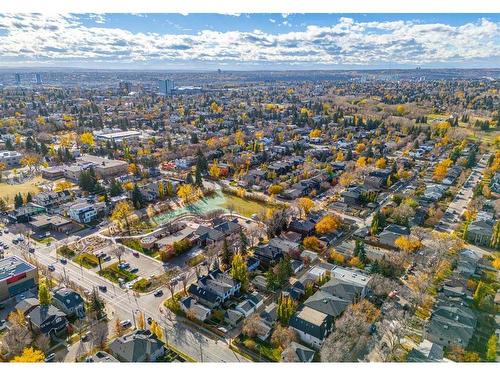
point(18, 200)
point(198, 178)
point(29, 198)
point(43, 294)
point(226, 255)
point(137, 197)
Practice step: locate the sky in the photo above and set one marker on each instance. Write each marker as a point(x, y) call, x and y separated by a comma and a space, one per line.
point(250, 41)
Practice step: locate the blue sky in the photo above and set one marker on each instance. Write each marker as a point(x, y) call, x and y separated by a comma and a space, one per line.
point(250, 41)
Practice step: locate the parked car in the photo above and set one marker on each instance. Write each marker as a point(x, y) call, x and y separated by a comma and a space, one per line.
point(51, 267)
point(103, 288)
point(158, 293)
point(15, 242)
point(123, 266)
point(125, 323)
point(31, 250)
point(107, 258)
point(50, 358)
point(134, 270)
point(150, 320)
point(64, 261)
point(136, 254)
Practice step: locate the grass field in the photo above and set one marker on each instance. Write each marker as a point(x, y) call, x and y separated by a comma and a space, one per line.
point(87, 260)
point(113, 273)
point(244, 207)
point(8, 191)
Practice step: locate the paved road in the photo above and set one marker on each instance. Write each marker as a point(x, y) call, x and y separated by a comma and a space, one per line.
point(125, 303)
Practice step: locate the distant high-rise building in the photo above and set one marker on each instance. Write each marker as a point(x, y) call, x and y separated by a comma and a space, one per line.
point(17, 77)
point(38, 78)
point(166, 87)
point(125, 87)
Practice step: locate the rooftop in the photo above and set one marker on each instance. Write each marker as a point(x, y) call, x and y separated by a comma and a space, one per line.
point(13, 266)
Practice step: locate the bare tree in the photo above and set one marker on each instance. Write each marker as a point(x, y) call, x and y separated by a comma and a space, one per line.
point(381, 285)
point(391, 331)
point(118, 252)
point(42, 342)
point(99, 332)
point(16, 339)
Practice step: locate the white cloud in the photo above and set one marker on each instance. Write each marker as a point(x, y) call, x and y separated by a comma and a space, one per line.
point(64, 39)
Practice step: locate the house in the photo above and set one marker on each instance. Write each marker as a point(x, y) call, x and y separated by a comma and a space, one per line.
point(69, 301)
point(101, 356)
point(347, 284)
point(311, 325)
point(286, 247)
point(391, 233)
point(252, 263)
point(27, 305)
point(52, 198)
point(25, 213)
point(451, 324)
point(137, 346)
point(47, 319)
point(352, 195)
point(83, 212)
point(204, 296)
point(377, 179)
point(327, 303)
point(296, 352)
point(220, 283)
point(191, 308)
point(426, 351)
point(268, 255)
point(233, 317)
point(304, 227)
point(480, 231)
point(270, 313)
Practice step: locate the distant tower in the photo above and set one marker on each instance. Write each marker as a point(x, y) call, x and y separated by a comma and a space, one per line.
point(125, 87)
point(219, 71)
point(38, 77)
point(17, 77)
point(166, 87)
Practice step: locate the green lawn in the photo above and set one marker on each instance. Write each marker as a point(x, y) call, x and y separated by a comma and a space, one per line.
point(263, 348)
point(87, 260)
point(244, 207)
point(113, 273)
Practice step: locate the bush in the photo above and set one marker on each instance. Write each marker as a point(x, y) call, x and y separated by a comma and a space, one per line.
point(197, 259)
point(181, 246)
point(66, 251)
point(142, 285)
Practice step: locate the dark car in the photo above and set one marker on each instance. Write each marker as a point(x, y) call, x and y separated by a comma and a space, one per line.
point(64, 261)
point(103, 288)
point(51, 267)
point(134, 270)
point(31, 250)
point(150, 320)
point(136, 254)
point(158, 293)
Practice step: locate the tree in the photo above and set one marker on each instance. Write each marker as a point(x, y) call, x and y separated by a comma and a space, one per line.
point(30, 355)
point(214, 170)
point(186, 193)
point(44, 294)
point(87, 139)
point(116, 189)
point(99, 334)
point(17, 338)
point(252, 326)
point(137, 197)
point(402, 213)
point(239, 270)
point(348, 342)
point(305, 205)
point(18, 200)
point(390, 333)
point(283, 336)
point(410, 244)
point(96, 304)
point(381, 163)
point(285, 309)
point(226, 255)
point(121, 212)
point(378, 223)
point(491, 349)
point(312, 243)
point(275, 189)
point(198, 180)
point(381, 286)
point(336, 257)
point(359, 251)
point(63, 185)
point(328, 224)
point(155, 328)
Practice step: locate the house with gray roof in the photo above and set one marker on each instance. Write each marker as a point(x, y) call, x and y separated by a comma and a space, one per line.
point(311, 325)
point(327, 303)
point(47, 319)
point(137, 346)
point(296, 352)
point(69, 301)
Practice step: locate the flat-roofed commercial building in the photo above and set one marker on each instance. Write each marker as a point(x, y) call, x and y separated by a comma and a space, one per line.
point(119, 137)
point(105, 168)
point(16, 276)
